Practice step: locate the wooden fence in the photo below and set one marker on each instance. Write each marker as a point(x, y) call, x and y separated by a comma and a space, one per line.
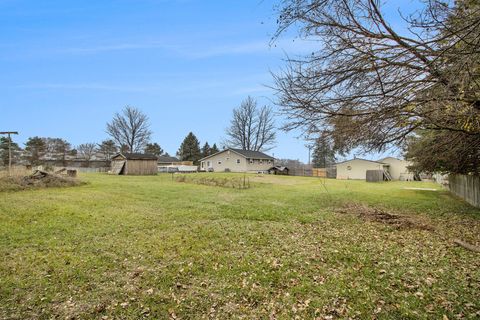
point(466, 187)
point(314, 172)
point(319, 172)
point(374, 175)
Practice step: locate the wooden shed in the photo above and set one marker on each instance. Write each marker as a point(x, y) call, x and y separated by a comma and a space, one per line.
point(134, 164)
point(279, 170)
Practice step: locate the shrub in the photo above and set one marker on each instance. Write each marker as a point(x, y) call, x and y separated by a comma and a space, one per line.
point(230, 182)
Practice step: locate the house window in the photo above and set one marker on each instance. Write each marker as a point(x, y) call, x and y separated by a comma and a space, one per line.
point(203, 164)
point(251, 161)
point(219, 162)
point(260, 161)
point(208, 163)
point(238, 161)
point(349, 168)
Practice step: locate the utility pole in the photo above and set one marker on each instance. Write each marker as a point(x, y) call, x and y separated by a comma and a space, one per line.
point(9, 133)
point(309, 146)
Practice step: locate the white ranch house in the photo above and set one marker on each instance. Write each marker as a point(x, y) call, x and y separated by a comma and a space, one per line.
point(237, 160)
point(357, 168)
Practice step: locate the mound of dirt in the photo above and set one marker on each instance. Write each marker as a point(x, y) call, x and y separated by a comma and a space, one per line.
point(379, 215)
point(39, 179)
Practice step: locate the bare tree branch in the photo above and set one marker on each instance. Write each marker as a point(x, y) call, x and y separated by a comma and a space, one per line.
point(130, 128)
point(372, 86)
point(252, 128)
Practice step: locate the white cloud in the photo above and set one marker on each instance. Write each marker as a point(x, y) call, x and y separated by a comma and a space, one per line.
point(205, 51)
point(249, 84)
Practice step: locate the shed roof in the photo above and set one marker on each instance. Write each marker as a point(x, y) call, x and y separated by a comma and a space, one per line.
point(249, 154)
point(136, 156)
point(279, 168)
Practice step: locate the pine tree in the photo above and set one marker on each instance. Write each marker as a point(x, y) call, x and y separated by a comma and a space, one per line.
point(61, 149)
point(36, 148)
point(190, 149)
point(323, 153)
point(153, 148)
point(4, 153)
point(108, 148)
point(124, 148)
point(206, 150)
point(214, 149)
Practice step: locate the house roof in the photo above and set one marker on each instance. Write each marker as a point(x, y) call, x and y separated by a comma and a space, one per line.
point(383, 159)
point(279, 168)
point(362, 160)
point(167, 159)
point(249, 154)
point(136, 156)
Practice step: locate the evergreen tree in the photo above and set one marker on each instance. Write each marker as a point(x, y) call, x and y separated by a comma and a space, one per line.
point(108, 148)
point(190, 149)
point(206, 150)
point(124, 148)
point(36, 148)
point(153, 148)
point(214, 149)
point(323, 153)
point(62, 148)
point(4, 153)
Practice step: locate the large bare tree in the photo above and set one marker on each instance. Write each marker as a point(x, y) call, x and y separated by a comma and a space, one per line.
point(130, 128)
point(251, 128)
point(86, 151)
point(372, 85)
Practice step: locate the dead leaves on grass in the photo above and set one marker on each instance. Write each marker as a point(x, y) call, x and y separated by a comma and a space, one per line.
point(396, 221)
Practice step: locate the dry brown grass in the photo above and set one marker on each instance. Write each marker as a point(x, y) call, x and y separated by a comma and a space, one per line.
point(17, 171)
point(225, 182)
point(22, 179)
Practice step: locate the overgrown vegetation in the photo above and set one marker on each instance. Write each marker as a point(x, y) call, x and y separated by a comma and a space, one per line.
point(22, 181)
point(126, 247)
point(217, 181)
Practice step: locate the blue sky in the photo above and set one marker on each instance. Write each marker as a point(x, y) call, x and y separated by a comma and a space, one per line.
point(68, 66)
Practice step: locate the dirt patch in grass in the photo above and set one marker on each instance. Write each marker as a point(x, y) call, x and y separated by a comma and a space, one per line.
point(15, 183)
point(381, 216)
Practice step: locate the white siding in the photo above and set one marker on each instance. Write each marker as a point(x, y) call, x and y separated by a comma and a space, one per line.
point(356, 169)
point(234, 162)
point(256, 165)
point(398, 168)
point(225, 160)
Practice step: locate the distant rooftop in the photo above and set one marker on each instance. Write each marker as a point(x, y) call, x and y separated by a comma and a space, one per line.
point(137, 156)
point(168, 159)
point(249, 154)
point(252, 154)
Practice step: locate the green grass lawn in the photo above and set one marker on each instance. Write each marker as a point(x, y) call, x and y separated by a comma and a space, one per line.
point(149, 247)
